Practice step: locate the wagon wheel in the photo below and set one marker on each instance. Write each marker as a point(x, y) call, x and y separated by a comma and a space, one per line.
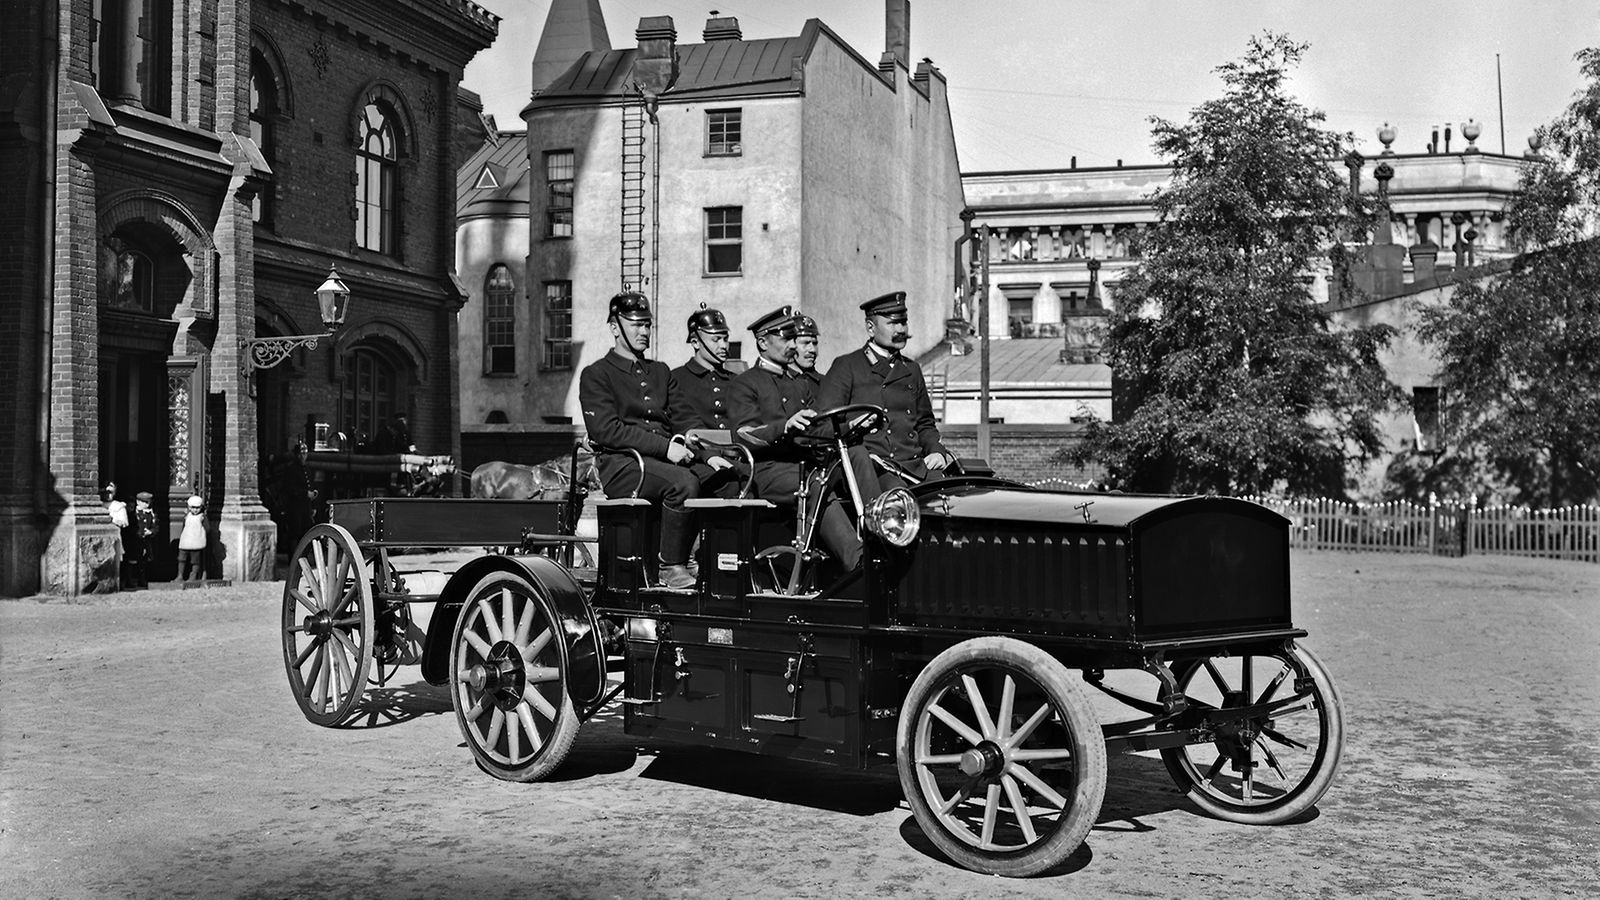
point(1264, 769)
point(1001, 757)
point(508, 680)
point(327, 624)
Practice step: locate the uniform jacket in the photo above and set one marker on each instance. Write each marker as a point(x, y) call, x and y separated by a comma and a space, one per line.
point(897, 385)
point(627, 402)
point(704, 397)
point(763, 400)
point(810, 384)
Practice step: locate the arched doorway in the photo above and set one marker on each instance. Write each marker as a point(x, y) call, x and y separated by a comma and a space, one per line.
point(145, 405)
point(377, 385)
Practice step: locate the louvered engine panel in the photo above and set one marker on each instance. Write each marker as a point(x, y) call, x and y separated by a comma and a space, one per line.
point(1016, 577)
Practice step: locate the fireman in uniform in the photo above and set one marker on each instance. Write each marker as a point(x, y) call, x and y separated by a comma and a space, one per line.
point(807, 342)
point(626, 402)
point(771, 408)
point(704, 400)
point(878, 373)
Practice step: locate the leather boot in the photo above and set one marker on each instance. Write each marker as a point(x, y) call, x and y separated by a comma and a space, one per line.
point(676, 537)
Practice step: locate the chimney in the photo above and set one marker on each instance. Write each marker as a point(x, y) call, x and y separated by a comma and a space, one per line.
point(721, 28)
point(897, 31)
point(655, 67)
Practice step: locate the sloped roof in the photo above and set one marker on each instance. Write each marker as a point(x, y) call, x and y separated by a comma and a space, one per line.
point(507, 162)
point(764, 65)
point(1015, 362)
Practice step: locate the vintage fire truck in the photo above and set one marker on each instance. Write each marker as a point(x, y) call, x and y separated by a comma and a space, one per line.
point(963, 651)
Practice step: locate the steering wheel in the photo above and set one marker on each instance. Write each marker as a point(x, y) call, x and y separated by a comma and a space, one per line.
point(849, 423)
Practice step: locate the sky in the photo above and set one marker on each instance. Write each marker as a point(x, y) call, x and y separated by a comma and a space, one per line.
point(1034, 83)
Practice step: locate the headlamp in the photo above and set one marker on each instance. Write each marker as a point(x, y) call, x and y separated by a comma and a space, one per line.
point(894, 517)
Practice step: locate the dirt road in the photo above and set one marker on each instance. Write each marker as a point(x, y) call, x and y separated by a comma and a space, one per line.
point(149, 747)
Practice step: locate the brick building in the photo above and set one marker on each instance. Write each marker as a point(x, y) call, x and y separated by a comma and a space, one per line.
point(189, 171)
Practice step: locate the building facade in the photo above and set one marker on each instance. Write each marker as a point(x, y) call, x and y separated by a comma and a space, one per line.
point(1059, 240)
point(758, 172)
point(192, 170)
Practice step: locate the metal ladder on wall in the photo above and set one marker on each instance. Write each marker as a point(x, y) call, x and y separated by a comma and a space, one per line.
point(633, 194)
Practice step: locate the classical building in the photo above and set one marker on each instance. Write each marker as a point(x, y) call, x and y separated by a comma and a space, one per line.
point(189, 173)
point(1060, 239)
point(748, 173)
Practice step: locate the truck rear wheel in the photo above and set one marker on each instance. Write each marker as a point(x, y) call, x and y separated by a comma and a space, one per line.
point(1001, 757)
point(509, 673)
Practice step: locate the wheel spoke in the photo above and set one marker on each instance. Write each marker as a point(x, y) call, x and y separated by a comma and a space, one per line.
point(340, 576)
point(1216, 767)
point(313, 587)
point(991, 814)
point(316, 667)
point(1247, 677)
point(939, 759)
point(1272, 760)
point(478, 709)
point(347, 593)
point(1283, 739)
point(537, 701)
point(543, 674)
point(1040, 755)
point(955, 724)
point(478, 643)
point(486, 614)
point(513, 738)
point(524, 625)
point(302, 599)
point(342, 676)
point(1020, 807)
point(508, 610)
point(311, 647)
point(497, 724)
point(1272, 686)
point(980, 709)
point(537, 647)
point(1216, 676)
point(1026, 731)
point(529, 726)
point(1026, 776)
point(1008, 698)
point(325, 657)
point(962, 795)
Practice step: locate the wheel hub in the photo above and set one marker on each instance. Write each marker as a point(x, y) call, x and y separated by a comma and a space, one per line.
point(984, 760)
point(501, 675)
point(319, 624)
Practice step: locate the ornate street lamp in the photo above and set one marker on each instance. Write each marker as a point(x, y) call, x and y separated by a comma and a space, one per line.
point(333, 300)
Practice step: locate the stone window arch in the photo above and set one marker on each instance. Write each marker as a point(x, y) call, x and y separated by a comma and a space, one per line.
point(499, 321)
point(383, 138)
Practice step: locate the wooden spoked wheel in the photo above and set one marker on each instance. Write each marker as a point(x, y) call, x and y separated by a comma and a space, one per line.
point(327, 624)
point(1270, 766)
point(1001, 757)
point(509, 674)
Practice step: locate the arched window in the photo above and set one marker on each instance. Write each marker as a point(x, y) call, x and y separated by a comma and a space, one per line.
point(373, 391)
point(264, 109)
point(499, 322)
point(376, 183)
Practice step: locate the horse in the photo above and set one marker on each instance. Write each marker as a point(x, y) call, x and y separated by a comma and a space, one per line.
point(498, 480)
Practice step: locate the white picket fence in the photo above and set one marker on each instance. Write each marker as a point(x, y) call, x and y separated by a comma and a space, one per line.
point(1445, 527)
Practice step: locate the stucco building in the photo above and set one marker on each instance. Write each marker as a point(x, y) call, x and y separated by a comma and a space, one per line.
point(189, 173)
point(759, 171)
point(1061, 239)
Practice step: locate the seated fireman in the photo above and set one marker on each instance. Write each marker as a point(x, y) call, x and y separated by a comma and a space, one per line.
point(770, 407)
point(879, 374)
point(625, 400)
point(807, 343)
point(703, 400)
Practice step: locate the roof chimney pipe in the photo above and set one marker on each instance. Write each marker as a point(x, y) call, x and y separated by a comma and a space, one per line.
point(897, 30)
point(721, 28)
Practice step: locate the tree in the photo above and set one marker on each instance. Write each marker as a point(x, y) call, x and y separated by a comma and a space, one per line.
point(1232, 378)
point(1520, 351)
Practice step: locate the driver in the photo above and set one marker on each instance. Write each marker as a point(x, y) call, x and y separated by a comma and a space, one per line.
point(881, 375)
point(703, 400)
point(625, 400)
point(769, 405)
